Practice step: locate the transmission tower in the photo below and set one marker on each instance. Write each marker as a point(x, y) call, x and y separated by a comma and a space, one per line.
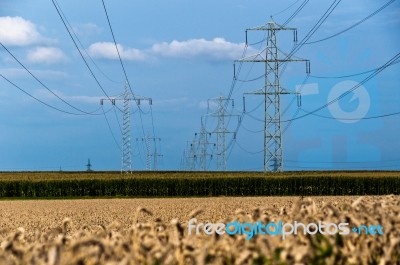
point(156, 156)
point(127, 97)
point(191, 154)
point(126, 133)
point(272, 92)
point(203, 144)
point(183, 160)
point(221, 114)
point(152, 154)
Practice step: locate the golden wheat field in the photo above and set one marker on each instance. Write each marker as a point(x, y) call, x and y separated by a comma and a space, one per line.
point(155, 231)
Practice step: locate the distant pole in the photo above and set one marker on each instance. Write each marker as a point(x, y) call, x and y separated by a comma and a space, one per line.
point(89, 166)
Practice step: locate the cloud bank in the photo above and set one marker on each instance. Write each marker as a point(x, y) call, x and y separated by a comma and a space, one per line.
point(106, 50)
point(217, 49)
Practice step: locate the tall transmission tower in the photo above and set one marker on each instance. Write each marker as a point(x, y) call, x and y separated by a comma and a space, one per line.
point(156, 155)
point(126, 132)
point(191, 154)
point(127, 97)
point(272, 91)
point(152, 154)
point(203, 146)
point(222, 128)
point(183, 160)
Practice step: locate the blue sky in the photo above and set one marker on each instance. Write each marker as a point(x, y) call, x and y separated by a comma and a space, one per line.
point(180, 54)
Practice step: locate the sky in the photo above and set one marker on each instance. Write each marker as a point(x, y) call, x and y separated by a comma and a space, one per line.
point(181, 54)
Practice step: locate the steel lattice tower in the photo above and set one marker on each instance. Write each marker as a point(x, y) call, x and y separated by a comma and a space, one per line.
point(221, 136)
point(221, 114)
point(126, 132)
point(272, 91)
point(203, 143)
point(192, 155)
point(152, 155)
point(126, 149)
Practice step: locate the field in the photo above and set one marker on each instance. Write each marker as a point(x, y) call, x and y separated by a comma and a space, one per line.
point(145, 217)
point(98, 175)
point(188, 184)
point(155, 231)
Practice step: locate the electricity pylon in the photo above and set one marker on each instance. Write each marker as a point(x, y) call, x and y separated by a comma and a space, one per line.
point(221, 114)
point(191, 155)
point(203, 144)
point(156, 156)
point(272, 91)
point(152, 155)
point(127, 97)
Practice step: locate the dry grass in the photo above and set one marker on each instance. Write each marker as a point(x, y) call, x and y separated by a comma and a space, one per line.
point(154, 231)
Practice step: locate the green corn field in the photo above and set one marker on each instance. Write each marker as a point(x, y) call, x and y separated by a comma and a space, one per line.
point(197, 184)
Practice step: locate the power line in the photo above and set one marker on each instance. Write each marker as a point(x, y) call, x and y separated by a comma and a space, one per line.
point(76, 46)
point(152, 121)
point(116, 47)
point(116, 117)
point(351, 75)
point(83, 48)
point(123, 67)
point(287, 8)
point(295, 13)
point(271, 93)
point(233, 84)
point(247, 151)
point(41, 83)
point(251, 131)
point(376, 72)
point(354, 119)
point(110, 129)
point(311, 32)
point(37, 99)
point(343, 162)
point(294, 50)
point(222, 128)
point(354, 25)
point(361, 168)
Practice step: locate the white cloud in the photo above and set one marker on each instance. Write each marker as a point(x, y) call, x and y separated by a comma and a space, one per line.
point(106, 50)
point(48, 55)
point(16, 31)
point(216, 49)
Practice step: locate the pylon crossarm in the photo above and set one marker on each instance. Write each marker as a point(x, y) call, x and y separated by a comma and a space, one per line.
point(270, 26)
point(273, 60)
point(262, 92)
